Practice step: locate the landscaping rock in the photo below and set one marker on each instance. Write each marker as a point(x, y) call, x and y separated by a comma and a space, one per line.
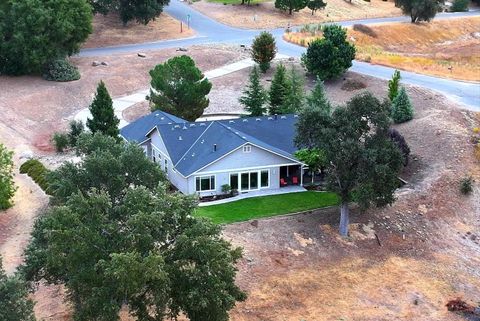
point(254, 223)
point(96, 63)
point(182, 49)
point(104, 63)
point(141, 55)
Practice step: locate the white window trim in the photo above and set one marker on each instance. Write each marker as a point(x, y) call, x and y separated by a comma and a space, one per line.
point(268, 178)
point(205, 190)
point(259, 177)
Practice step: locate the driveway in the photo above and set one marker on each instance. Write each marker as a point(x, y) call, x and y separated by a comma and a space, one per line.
point(211, 31)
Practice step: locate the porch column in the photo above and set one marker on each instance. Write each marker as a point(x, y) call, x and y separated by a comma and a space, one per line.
point(301, 175)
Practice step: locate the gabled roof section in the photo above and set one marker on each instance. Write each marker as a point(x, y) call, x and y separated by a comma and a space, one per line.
point(194, 145)
point(137, 130)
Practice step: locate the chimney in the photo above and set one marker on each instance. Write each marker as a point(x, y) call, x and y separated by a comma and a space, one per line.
point(214, 147)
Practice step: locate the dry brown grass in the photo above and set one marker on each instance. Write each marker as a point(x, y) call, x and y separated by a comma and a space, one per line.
point(267, 16)
point(447, 48)
point(109, 31)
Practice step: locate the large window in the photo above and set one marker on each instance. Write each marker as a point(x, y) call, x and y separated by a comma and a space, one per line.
point(205, 183)
point(264, 179)
point(234, 181)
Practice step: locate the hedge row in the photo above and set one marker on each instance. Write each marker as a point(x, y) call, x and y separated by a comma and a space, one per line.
point(38, 172)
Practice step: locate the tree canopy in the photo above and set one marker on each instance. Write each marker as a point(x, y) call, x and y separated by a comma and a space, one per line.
point(330, 56)
point(419, 10)
point(290, 5)
point(179, 88)
point(254, 96)
point(7, 186)
point(142, 11)
point(314, 5)
point(318, 97)
point(264, 50)
point(103, 116)
point(15, 304)
point(34, 32)
point(108, 164)
point(295, 97)
point(118, 237)
point(362, 161)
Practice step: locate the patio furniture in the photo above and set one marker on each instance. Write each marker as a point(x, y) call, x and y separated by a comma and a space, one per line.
point(295, 180)
point(283, 182)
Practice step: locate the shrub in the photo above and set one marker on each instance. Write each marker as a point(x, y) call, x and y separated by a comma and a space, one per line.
point(226, 188)
point(60, 70)
point(466, 185)
point(401, 143)
point(76, 129)
point(38, 172)
point(353, 84)
point(402, 109)
point(365, 30)
point(459, 5)
point(60, 141)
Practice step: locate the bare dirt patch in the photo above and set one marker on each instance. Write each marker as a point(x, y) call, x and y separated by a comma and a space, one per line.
point(447, 48)
point(265, 15)
point(34, 108)
point(109, 31)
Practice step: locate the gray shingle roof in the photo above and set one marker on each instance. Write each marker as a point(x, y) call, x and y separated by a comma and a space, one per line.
point(190, 145)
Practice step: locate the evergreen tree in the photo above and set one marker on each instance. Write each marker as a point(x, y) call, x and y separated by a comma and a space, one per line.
point(103, 116)
point(402, 109)
point(7, 187)
point(393, 85)
point(314, 5)
point(254, 96)
point(294, 98)
point(420, 10)
point(278, 90)
point(14, 302)
point(264, 50)
point(331, 55)
point(318, 98)
point(179, 88)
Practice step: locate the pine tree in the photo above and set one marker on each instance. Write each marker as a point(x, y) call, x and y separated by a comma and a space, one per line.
point(254, 96)
point(264, 50)
point(393, 85)
point(318, 97)
point(103, 117)
point(294, 98)
point(278, 90)
point(402, 109)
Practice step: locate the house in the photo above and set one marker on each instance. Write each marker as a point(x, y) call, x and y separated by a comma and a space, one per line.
point(248, 154)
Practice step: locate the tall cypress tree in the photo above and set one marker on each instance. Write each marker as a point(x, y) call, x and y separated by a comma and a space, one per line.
point(103, 117)
point(278, 90)
point(402, 109)
point(254, 96)
point(294, 98)
point(318, 97)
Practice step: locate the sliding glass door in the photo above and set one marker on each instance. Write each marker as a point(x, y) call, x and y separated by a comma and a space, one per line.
point(249, 181)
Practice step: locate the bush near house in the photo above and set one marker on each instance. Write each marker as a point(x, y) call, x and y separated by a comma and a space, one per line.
point(60, 70)
point(38, 172)
point(459, 6)
point(60, 141)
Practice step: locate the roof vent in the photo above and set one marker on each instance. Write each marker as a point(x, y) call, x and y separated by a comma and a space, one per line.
point(245, 120)
point(295, 116)
point(244, 137)
point(180, 138)
point(231, 121)
point(214, 147)
point(184, 126)
point(192, 125)
point(169, 123)
point(275, 116)
point(283, 117)
point(162, 118)
point(157, 114)
point(203, 141)
point(193, 154)
point(202, 124)
point(176, 126)
point(257, 119)
point(270, 118)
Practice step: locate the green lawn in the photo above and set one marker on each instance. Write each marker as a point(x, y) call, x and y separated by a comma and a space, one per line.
point(265, 206)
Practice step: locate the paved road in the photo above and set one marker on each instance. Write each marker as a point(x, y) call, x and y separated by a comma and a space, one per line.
point(211, 31)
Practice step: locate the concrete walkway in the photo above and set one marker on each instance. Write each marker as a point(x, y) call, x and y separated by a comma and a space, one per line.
point(261, 192)
point(122, 103)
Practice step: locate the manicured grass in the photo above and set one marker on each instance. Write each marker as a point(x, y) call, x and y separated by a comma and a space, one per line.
point(265, 206)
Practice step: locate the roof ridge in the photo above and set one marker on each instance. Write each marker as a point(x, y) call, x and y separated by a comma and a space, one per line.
point(193, 144)
point(236, 132)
